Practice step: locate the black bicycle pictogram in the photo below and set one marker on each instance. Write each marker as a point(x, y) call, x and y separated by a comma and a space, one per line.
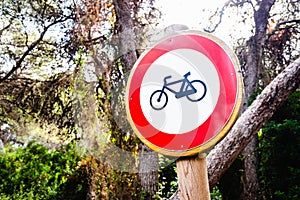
point(159, 98)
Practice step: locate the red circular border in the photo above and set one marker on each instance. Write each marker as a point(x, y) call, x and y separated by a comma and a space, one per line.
point(223, 109)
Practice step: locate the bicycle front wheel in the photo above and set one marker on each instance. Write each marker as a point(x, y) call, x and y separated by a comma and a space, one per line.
point(158, 99)
point(200, 91)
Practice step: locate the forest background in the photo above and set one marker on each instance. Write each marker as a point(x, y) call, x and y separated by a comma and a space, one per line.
point(63, 71)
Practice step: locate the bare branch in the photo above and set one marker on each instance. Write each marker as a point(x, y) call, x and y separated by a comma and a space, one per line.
point(5, 28)
point(30, 48)
point(290, 22)
point(220, 14)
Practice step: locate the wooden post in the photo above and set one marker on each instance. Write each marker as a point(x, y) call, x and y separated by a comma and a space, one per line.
point(192, 178)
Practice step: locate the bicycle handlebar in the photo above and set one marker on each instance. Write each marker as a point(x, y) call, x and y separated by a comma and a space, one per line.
point(167, 77)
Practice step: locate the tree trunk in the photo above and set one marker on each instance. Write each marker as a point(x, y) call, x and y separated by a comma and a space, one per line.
point(253, 72)
point(250, 178)
point(148, 160)
point(148, 166)
point(125, 32)
point(261, 110)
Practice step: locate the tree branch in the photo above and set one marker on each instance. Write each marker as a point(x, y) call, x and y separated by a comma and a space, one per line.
point(6, 27)
point(30, 48)
point(295, 21)
point(220, 13)
point(261, 110)
point(224, 153)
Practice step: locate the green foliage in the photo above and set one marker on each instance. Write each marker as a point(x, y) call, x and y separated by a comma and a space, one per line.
point(112, 184)
point(230, 184)
point(167, 179)
point(253, 97)
point(290, 109)
point(280, 158)
point(35, 172)
point(216, 194)
point(279, 148)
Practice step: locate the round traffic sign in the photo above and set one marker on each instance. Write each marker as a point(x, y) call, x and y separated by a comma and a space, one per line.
point(184, 93)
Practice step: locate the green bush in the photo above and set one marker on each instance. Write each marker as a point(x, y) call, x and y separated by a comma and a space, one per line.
point(279, 149)
point(34, 172)
point(280, 158)
point(168, 183)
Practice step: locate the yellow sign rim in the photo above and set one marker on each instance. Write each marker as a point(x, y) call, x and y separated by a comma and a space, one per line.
point(234, 115)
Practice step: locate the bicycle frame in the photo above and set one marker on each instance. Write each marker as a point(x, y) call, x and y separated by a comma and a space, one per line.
point(182, 92)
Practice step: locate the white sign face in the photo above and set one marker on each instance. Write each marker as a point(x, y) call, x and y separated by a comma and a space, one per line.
point(167, 98)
